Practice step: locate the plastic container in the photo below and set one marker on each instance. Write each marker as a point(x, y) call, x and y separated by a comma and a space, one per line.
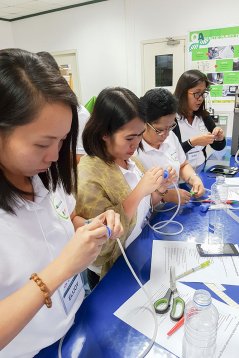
point(200, 327)
point(219, 191)
point(219, 196)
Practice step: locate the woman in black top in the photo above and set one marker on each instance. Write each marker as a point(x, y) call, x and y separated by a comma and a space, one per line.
point(196, 129)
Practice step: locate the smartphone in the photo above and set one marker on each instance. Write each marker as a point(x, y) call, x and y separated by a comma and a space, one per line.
point(219, 170)
point(217, 250)
point(223, 171)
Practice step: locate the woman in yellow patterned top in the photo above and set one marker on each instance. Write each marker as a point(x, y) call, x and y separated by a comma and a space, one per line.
point(110, 179)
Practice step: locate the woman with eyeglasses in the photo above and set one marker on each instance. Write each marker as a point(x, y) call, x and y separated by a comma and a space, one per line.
point(110, 177)
point(161, 147)
point(196, 129)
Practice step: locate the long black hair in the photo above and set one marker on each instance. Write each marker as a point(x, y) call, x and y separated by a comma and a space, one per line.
point(26, 84)
point(189, 80)
point(114, 107)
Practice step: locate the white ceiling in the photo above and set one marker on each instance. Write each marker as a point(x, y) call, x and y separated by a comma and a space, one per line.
point(12, 9)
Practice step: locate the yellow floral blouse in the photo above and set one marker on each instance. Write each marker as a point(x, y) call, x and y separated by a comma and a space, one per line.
point(101, 187)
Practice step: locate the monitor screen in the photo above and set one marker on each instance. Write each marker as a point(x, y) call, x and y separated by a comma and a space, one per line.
point(232, 89)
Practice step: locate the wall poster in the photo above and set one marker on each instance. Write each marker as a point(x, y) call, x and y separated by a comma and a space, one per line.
point(216, 53)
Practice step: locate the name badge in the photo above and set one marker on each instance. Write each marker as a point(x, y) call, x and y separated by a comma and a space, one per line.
point(174, 156)
point(192, 156)
point(202, 127)
point(60, 207)
point(70, 290)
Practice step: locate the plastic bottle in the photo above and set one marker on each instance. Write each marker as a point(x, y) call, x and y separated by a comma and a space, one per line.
point(219, 191)
point(219, 195)
point(200, 328)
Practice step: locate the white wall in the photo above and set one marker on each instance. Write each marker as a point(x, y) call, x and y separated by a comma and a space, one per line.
point(107, 35)
point(153, 19)
point(96, 31)
point(6, 38)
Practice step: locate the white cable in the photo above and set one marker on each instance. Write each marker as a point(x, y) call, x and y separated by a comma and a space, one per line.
point(60, 347)
point(236, 157)
point(156, 227)
point(149, 299)
point(165, 210)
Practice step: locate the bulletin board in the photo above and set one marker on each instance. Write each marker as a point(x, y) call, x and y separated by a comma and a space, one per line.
point(216, 53)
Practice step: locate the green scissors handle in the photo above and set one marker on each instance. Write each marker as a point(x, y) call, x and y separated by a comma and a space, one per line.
point(177, 308)
point(162, 305)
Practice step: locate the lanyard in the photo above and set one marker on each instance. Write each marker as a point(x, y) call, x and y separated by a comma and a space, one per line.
point(71, 288)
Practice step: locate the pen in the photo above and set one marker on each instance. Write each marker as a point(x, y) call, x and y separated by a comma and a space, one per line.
point(176, 327)
point(227, 202)
point(201, 266)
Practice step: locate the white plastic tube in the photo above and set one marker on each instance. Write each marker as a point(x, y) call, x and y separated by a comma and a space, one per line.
point(236, 157)
point(156, 227)
point(149, 300)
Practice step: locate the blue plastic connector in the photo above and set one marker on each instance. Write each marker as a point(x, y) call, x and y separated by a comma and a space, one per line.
point(204, 207)
point(108, 231)
point(165, 174)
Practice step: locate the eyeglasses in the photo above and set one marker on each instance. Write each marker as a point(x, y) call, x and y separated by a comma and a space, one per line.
point(162, 131)
point(197, 95)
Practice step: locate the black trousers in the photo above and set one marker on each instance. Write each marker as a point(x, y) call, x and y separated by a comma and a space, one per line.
point(93, 278)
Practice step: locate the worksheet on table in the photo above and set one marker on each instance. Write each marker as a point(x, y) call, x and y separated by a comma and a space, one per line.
point(184, 256)
point(233, 188)
point(136, 313)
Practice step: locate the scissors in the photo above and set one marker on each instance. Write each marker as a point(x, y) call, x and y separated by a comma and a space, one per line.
point(162, 305)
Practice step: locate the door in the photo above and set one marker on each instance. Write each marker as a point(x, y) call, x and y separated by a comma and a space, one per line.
point(68, 60)
point(163, 63)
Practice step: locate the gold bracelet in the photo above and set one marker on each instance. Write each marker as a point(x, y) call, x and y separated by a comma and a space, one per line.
point(43, 288)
